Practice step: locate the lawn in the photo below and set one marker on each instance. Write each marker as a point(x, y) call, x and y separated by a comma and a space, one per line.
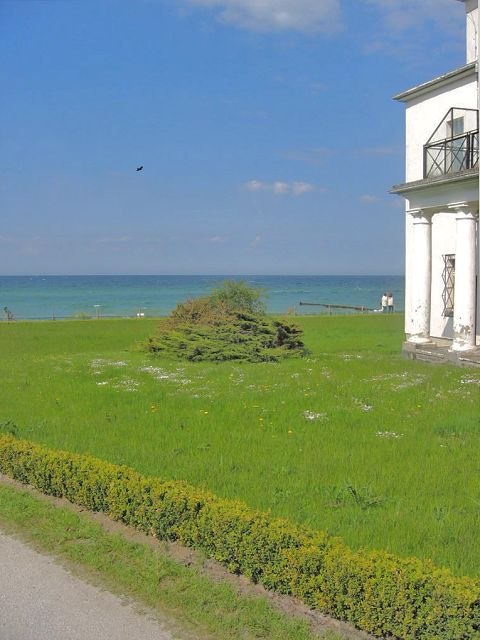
point(352, 439)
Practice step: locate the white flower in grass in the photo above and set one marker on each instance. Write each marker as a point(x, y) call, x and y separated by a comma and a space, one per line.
point(100, 363)
point(312, 416)
point(126, 385)
point(363, 406)
point(469, 380)
point(389, 434)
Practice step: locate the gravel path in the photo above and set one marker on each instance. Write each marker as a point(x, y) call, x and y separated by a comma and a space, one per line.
point(39, 600)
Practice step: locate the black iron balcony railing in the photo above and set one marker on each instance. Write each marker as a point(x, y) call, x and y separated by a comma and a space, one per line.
point(453, 146)
point(451, 155)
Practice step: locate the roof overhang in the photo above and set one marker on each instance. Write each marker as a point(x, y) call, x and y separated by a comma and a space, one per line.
point(427, 183)
point(437, 193)
point(468, 70)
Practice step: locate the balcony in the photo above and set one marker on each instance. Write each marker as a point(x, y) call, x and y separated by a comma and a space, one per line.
point(453, 146)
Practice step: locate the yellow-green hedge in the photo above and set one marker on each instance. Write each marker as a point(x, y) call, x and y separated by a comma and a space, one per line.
point(376, 591)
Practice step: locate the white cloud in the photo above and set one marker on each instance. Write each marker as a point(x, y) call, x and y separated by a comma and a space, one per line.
point(369, 199)
point(256, 241)
point(281, 188)
point(400, 15)
point(277, 15)
point(400, 32)
point(299, 188)
point(217, 239)
point(255, 185)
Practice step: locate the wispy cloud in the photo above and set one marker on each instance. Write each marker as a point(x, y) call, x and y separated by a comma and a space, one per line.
point(369, 199)
point(32, 246)
point(254, 114)
point(403, 15)
point(315, 156)
point(113, 239)
point(217, 239)
point(255, 242)
point(299, 188)
point(317, 87)
point(397, 27)
point(277, 15)
point(403, 20)
point(379, 151)
point(280, 187)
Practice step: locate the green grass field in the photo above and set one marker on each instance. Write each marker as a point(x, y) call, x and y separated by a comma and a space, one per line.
point(353, 440)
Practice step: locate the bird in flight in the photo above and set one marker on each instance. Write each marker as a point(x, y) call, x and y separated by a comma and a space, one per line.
point(140, 168)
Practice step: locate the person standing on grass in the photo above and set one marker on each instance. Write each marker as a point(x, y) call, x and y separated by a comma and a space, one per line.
point(390, 302)
point(384, 303)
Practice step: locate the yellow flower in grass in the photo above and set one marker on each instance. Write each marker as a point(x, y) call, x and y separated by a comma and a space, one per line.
point(153, 408)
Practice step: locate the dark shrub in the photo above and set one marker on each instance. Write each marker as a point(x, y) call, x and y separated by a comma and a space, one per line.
point(230, 324)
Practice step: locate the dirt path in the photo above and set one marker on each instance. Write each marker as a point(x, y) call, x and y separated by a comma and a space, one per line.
point(39, 600)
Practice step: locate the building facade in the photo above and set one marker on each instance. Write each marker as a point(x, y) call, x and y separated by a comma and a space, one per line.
point(441, 192)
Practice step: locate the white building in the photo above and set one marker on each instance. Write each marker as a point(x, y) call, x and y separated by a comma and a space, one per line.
point(442, 305)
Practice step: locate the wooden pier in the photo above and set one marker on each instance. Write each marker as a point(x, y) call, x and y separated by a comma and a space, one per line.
point(329, 306)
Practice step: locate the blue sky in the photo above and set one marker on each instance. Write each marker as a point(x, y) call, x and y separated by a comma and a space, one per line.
point(266, 130)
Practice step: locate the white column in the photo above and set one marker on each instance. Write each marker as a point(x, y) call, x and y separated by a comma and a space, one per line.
point(418, 325)
point(464, 309)
point(478, 282)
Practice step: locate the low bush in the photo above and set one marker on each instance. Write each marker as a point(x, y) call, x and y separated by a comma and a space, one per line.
point(375, 591)
point(229, 324)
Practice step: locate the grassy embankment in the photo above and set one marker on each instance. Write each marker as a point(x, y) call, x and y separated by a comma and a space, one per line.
point(352, 440)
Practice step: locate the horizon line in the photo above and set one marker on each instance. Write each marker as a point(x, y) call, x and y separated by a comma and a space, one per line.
point(204, 275)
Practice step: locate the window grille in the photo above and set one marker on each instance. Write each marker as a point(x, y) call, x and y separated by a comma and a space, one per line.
point(448, 284)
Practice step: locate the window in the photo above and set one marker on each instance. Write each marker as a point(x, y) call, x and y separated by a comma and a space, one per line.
point(455, 127)
point(448, 284)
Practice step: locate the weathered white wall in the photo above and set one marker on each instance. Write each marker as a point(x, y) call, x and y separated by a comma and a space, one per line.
point(425, 113)
point(471, 7)
point(408, 267)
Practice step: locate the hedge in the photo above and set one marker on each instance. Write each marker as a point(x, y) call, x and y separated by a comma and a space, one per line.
point(375, 591)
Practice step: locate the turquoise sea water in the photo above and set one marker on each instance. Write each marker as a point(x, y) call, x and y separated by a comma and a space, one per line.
point(41, 297)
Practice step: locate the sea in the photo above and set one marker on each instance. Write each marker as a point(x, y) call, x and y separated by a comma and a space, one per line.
point(47, 297)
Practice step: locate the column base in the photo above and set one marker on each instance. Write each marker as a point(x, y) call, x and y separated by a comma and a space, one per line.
point(419, 339)
point(441, 354)
point(462, 347)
